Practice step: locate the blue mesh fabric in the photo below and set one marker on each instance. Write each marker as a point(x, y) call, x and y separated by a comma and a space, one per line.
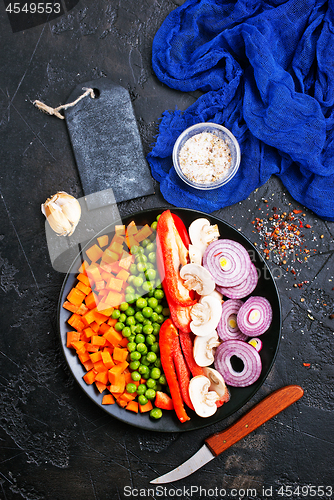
point(265, 69)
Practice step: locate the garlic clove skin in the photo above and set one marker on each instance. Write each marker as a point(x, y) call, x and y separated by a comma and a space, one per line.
point(63, 213)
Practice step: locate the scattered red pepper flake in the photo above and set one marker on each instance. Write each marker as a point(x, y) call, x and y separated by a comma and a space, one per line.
point(307, 364)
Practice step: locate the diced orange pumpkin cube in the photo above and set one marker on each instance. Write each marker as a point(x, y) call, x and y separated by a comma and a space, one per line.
point(72, 337)
point(89, 377)
point(143, 233)
point(84, 279)
point(126, 260)
point(82, 309)
point(114, 298)
point(91, 300)
point(102, 377)
point(120, 354)
point(98, 340)
point(107, 359)
point(103, 240)
point(87, 364)
point(123, 275)
point(116, 247)
point(119, 229)
point(75, 322)
point(100, 386)
point(145, 408)
point(115, 284)
point(75, 296)
point(70, 307)
point(132, 406)
point(84, 288)
point(94, 253)
point(113, 336)
point(108, 399)
point(109, 256)
point(131, 228)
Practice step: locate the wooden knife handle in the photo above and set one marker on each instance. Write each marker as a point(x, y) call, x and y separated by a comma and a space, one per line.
point(262, 412)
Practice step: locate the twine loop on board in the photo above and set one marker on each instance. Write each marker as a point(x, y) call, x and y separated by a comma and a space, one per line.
point(56, 111)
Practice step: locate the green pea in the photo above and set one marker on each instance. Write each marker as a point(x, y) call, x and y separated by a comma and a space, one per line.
point(130, 321)
point(158, 363)
point(142, 399)
point(150, 339)
point(126, 332)
point(119, 326)
point(162, 379)
point(123, 306)
point(129, 289)
point(158, 309)
point(141, 389)
point(130, 279)
point(154, 225)
point(135, 376)
point(134, 365)
point(132, 346)
point(147, 329)
point(151, 257)
point(130, 311)
point(156, 328)
point(135, 355)
point(150, 393)
point(141, 303)
point(132, 336)
point(158, 217)
point(145, 242)
point(130, 298)
point(151, 383)
point(147, 322)
point(150, 274)
point(150, 247)
point(155, 373)
point(148, 286)
point(122, 318)
point(149, 265)
point(147, 312)
point(140, 338)
point(131, 388)
point(161, 318)
point(115, 314)
point(141, 266)
point(155, 347)
point(134, 249)
point(144, 361)
point(159, 294)
point(143, 369)
point(151, 357)
point(158, 387)
point(132, 270)
point(156, 413)
point(154, 317)
point(139, 328)
point(153, 302)
point(137, 281)
point(141, 347)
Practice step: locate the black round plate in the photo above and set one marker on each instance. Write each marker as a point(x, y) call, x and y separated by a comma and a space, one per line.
point(239, 396)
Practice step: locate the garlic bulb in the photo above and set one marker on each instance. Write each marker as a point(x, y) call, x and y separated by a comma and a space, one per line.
point(63, 213)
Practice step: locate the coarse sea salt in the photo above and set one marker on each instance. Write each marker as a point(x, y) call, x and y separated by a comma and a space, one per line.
point(205, 158)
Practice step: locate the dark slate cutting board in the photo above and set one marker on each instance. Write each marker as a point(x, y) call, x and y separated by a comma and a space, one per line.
point(106, 143)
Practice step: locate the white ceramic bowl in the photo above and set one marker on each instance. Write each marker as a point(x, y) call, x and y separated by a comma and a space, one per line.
point(221, 132)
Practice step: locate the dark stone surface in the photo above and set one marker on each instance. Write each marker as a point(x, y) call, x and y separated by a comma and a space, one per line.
point(55, 443)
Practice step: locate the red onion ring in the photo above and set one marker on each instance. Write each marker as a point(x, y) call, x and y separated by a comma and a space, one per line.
point(255, 316)
point(229, 308)
point(245, 288)
point(252, 364)
point(238, 262)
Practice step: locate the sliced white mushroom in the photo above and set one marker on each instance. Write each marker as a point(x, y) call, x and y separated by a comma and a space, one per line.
point(197, 278)
point(217, 384)
point(204, 348)
point(195, 255)
point(201, 233)
point(217, 295)
point(205, 315)
point(203, 400)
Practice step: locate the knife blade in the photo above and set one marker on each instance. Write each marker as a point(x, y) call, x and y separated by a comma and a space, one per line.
point(214, 445)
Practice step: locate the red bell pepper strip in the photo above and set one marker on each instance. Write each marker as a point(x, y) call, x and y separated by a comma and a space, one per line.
point(167, 334)
point(173, 253)
point(180, 315)
point(187, 346)
point(183, 372)
point(163, 401)
point(182, 230)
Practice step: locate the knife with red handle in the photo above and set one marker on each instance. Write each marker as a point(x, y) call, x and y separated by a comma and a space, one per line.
point(214, 445)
